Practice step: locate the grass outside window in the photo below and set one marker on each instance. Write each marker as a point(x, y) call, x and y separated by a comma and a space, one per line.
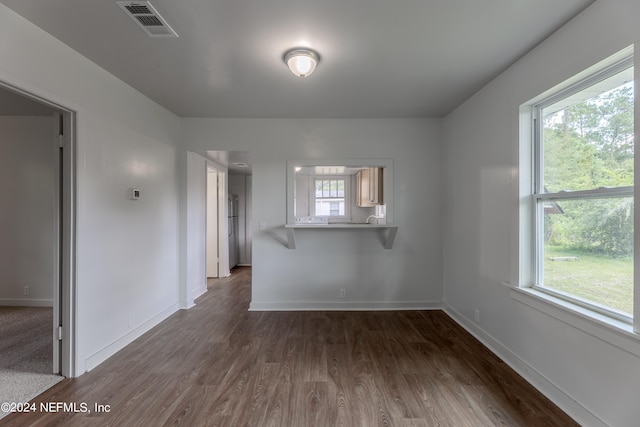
point(602, 279)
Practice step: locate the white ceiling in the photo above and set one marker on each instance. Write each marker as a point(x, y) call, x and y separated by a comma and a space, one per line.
point(380, 58)
point(237, 162)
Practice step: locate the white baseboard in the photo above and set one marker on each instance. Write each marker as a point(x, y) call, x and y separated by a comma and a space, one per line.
point(545, 386)
point(14, 302)
point(344, 306)
point(199, 292)
point(108, 351)
point(186, 305)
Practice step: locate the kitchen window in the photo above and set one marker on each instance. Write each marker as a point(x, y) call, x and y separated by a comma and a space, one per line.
point(583, 192)
point(330, 196)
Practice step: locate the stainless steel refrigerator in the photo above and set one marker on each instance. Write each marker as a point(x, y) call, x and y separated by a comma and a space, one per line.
point(234, 243)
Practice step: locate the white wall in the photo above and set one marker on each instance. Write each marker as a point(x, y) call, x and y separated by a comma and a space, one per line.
point(127, 270)
point(196, 227)
point(593, 380)
point(311, 276)
point(27, 180)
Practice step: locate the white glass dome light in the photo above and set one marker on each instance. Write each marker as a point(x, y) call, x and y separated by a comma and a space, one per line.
point(301, 62)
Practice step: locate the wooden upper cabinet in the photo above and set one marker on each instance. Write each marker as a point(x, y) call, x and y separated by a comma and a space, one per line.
point(369, 187)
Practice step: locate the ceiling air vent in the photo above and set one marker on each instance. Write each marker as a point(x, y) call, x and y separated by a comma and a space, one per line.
point(147, 18)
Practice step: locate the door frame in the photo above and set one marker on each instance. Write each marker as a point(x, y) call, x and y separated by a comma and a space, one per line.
point(64, 248)
point(64, 329)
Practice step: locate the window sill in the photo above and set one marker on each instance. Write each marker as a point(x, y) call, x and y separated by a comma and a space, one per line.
point(609, 330)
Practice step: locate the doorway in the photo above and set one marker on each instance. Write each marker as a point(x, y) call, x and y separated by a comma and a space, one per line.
point(234, 209)
point(240, 183)
point(37, 151)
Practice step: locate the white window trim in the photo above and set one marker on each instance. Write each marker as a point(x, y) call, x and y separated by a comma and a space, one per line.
point(347, 197)
point(613, 330)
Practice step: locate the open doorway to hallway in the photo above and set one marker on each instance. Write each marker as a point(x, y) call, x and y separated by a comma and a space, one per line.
point(240, 192)
point(235, 215)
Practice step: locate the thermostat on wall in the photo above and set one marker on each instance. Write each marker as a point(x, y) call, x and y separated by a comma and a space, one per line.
point(134, 194)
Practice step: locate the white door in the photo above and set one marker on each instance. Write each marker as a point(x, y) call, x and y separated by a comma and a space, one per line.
point(213, 215)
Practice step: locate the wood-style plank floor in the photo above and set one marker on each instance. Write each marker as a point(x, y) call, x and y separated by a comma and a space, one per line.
point(221, 365)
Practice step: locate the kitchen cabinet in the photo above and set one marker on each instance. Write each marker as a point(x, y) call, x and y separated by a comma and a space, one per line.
point(369, 188)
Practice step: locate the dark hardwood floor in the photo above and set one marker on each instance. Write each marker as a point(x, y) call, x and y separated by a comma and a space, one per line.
point(221, 365)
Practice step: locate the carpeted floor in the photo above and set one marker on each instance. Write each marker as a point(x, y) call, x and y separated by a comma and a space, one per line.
point(26, 353)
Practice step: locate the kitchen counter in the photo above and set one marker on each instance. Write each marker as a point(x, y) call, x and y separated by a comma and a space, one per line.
point(391, 230)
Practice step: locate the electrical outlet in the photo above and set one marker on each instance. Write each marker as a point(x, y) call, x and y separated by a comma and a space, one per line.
point(131, 320)
point(343, 293)
point(262, 225)
point(477, 315)
point(26, 291)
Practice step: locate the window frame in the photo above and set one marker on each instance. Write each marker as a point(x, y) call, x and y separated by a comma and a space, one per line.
point(539, 197)
point(347, 195)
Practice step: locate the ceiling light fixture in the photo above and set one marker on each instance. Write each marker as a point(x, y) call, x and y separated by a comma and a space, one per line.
point(301, 61)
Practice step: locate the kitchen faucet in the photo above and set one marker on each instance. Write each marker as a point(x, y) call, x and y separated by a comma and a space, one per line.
point(371, 216)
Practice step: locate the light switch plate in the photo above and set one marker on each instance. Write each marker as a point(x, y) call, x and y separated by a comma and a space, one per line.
point(134, 194)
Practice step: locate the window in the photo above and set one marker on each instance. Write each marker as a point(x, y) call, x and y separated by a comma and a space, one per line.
point(330, 196)
point(583, 192)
